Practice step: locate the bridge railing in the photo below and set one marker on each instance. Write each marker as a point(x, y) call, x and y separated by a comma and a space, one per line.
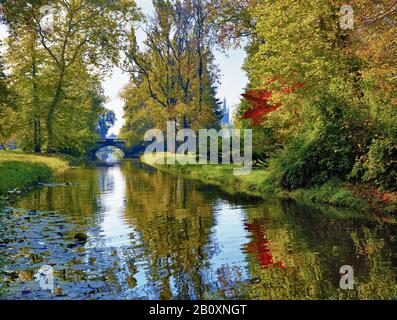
point(111, 141)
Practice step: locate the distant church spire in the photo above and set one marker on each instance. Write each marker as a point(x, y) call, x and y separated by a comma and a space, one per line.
point(226, 113)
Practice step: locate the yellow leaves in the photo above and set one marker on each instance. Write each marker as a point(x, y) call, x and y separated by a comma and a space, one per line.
point(197, 117)
point(375, 40)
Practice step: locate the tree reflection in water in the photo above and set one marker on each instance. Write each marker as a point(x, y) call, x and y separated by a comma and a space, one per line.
point(260, 246)
point(152, 235)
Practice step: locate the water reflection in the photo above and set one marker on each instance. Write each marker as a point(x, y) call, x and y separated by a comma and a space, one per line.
point(152, 235)
point(112, 205)
point(110, 155)
point(260, 246)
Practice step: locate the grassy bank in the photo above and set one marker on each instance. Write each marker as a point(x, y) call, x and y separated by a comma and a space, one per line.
point(20, 170)
point(259, 183)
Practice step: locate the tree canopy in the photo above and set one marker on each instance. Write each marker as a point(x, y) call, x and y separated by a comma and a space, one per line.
point(57, 53)
point(174, 76)
point(338, 119)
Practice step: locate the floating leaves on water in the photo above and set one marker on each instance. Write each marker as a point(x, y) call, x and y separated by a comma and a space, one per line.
point(81, 237)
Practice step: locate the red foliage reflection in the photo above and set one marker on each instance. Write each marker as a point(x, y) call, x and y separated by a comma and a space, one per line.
point(260, 246)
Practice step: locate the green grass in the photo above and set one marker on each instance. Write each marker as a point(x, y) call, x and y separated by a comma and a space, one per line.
point(19, 170)
point(261, 183)
point(331, 193)
point(219, 175)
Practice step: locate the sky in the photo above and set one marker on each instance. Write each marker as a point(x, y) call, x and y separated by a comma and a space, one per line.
point(232, 79)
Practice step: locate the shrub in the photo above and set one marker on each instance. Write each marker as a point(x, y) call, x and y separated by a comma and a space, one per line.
point(379, 165)
point(315, 156)
point(264, 146)
point(324, 149)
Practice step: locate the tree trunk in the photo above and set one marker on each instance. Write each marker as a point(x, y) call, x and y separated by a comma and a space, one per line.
point(37, 134)
point(200, 71)
point(36, 117)
point(50, 115)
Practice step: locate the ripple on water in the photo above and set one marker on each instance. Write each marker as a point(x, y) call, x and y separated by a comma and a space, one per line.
point(46, 238)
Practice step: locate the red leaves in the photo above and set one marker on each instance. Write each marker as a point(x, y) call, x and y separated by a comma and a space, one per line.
point(376, 198)
point(384, 197)
point(261, 104)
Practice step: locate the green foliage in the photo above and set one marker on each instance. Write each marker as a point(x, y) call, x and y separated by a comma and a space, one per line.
point(264, 146)
point(379, 165)
point(7, 107)
point(315, 156)
point(56, 73)
point(323, 149)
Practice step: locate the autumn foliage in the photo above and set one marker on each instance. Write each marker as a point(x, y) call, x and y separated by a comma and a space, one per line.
point(262, 104)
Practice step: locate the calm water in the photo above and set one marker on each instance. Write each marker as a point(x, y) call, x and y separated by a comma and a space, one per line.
point(154, 236)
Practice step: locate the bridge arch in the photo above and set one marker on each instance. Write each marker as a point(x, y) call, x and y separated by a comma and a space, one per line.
point(115, 143)
point(121, 144)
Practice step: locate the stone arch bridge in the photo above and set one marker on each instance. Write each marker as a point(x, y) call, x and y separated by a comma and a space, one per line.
point(132, 152)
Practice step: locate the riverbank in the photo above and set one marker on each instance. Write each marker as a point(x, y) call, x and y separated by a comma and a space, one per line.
point(259, 183)
point(20, 171)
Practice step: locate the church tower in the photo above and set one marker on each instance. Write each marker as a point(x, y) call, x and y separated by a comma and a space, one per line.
point(226, 114)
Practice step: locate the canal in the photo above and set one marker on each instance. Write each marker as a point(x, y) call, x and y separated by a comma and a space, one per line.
point(126, 231)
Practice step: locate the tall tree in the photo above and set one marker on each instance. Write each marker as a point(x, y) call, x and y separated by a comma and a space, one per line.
point(234, 21)
point(7, 107)
point(175, 67)
point(23, 52)
point(82, 31)
point(106, 120)
point(345, 89)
